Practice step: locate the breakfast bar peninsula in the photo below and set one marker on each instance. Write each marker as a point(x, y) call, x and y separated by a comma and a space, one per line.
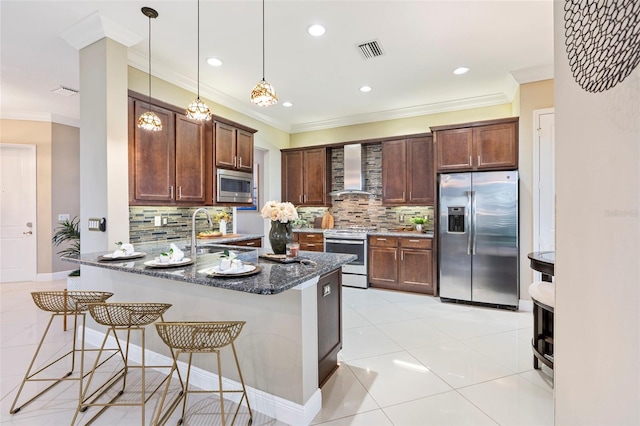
point(292, 310)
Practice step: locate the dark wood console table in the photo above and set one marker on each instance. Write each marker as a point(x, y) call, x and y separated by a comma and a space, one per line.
point(543, 262)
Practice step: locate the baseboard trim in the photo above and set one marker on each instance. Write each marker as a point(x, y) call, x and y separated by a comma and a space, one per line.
point(525, 305)
point(270, 405)
point(53, 275)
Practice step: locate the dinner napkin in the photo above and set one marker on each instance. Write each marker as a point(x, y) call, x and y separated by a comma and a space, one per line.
point(177, 255)
point(229, 266)
point(123, 250)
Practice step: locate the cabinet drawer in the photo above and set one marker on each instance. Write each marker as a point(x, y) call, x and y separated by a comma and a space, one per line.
point(310, 237)
point(383, 241)
point(311, 246)
point(419, 243)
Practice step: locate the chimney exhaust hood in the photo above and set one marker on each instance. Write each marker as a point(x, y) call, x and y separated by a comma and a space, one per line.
point(353, 179)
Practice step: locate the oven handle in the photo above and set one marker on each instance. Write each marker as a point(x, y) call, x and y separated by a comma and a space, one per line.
point(352, 242)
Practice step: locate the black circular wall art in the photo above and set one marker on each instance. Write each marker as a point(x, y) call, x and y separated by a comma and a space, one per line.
point(603, 41)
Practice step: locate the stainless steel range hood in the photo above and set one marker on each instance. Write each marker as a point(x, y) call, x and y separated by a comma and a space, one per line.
point(353, 179)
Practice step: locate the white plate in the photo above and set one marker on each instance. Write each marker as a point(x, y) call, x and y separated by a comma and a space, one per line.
point(156, 264)
point(134, 255)
point(245, 269)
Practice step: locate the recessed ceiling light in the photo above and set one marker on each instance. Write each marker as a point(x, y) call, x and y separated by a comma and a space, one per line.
point(316, 30)
point(287, 104)
point(214, 62)
point(365, 89)
point(460, 70)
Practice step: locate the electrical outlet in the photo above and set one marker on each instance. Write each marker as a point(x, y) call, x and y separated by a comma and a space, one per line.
point(401, 218)
point(156, 221)
point(165, 221)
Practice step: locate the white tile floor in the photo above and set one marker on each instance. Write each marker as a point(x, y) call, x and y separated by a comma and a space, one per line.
point(407, 360)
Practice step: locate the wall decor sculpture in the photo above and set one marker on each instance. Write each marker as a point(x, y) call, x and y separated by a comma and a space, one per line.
point(603, 41)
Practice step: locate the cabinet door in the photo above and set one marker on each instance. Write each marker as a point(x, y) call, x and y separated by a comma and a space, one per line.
point(292, 177)
point(190, 160)
point(383, 267)
point(416, 271)
point(153, 157)
point(496, 146)
point(314, 181)
point(394, 173)
point(244, 151)
point(329, 323)
point(225, 145)
point(420, 175)
point(454, 150)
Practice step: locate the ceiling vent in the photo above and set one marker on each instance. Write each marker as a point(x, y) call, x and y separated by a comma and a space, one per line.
point(370, 49)
point(65, 91)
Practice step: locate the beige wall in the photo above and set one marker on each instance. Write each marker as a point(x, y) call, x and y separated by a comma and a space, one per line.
point(36, 133)
point(403, 126)
point(65, 180)
point(532, 96)
point(597, 321)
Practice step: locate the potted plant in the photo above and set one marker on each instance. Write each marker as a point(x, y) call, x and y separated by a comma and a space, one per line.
point(419, 221)
point(68, 232)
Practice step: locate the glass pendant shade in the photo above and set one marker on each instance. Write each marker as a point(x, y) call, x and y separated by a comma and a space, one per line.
point(198, 110)
point(150, 121)
point(264, 94)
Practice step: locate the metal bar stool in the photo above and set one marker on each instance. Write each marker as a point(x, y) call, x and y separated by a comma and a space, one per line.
point(60, 303)
point(201, 337)
point(544, 300)
point(121, 317)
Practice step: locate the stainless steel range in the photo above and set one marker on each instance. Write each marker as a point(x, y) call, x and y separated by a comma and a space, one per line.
point(351, 240)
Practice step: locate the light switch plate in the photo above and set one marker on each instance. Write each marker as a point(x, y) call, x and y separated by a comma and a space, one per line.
point(94, 224)
point(156, 221)
point(63, 217)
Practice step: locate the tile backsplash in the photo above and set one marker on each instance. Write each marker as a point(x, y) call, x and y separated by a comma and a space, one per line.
point(364, 210)
point(142, 226)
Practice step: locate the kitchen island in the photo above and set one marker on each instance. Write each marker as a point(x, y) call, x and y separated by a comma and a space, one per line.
point(278, 348)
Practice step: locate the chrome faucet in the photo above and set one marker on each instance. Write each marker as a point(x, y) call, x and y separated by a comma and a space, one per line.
point(193, 228)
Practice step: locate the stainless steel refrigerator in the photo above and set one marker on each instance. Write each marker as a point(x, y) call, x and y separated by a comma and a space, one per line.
point(478, 237)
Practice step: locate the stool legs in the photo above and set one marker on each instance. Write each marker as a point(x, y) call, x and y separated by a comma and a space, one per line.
point(30, 374)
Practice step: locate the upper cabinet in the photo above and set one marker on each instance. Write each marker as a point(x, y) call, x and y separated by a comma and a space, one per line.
point(485, 145)
point(167, 166)
point(407, 171)
point(233, 146)
point(306, 176)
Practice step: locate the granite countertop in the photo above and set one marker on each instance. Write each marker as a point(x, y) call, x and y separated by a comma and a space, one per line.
point(273, 278)
point(412, 234)
point(309, 230)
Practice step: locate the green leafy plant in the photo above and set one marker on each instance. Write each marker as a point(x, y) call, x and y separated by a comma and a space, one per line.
point(418, 220)
point(68, 232)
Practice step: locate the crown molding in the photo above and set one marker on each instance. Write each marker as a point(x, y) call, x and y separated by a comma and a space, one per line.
point(96, 27)
point(532, 74)
point(439, 107)
point(39, 116)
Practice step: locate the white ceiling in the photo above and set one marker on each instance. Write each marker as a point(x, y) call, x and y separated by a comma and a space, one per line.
point(423, 41)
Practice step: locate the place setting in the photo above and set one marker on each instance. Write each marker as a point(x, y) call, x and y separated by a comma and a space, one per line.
point(172, 258)
point(123, 252)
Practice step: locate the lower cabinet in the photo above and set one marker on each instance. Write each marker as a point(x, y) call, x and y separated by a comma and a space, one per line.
point(329, 324)
point(256, 242)
point(310, 241)
point(401, 263)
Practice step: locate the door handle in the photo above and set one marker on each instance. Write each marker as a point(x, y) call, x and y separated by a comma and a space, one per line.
point(27, 233)
point(473, 212)
point(470, 219)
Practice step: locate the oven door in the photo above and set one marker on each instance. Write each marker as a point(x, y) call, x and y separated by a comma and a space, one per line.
point(357, 247)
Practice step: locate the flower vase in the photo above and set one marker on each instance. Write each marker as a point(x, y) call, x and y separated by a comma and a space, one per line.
point(280, 235)
point(223, 227)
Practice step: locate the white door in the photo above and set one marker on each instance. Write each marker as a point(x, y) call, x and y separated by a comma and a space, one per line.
point(18, 237)
point(544, 181)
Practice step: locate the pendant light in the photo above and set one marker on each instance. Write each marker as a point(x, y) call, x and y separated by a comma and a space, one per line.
point(149, 120)
point(264, 93)
point(197, 109)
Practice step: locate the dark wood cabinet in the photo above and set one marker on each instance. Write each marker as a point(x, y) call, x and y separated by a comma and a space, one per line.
point(254, 242)
point(329, 324)
point(401, 263)
point(407, 171)
point(310, 241)
point(306, 175)
point(233, 147)
point(486, 145)
point(167, 166)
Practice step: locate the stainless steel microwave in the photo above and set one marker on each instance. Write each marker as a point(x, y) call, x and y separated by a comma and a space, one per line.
point(234, 187)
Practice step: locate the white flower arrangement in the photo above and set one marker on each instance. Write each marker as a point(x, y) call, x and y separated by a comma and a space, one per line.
point(282, 212)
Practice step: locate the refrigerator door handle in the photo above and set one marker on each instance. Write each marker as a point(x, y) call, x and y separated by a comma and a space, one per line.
point(473, 227)
point(469, 197)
